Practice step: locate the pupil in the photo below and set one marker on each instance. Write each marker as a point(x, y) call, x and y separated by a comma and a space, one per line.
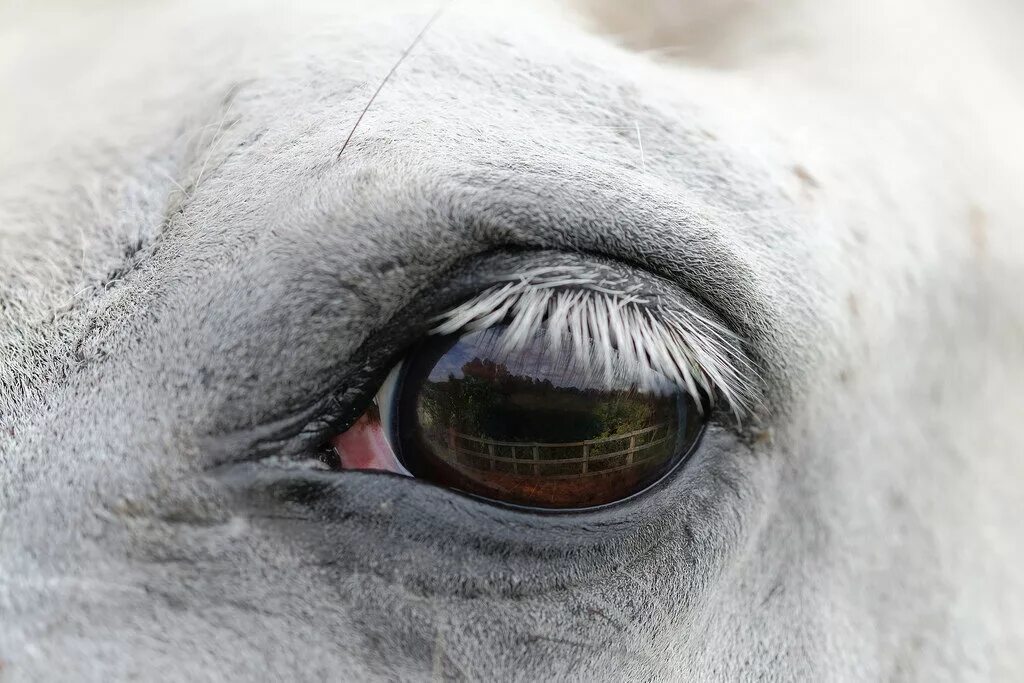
point(534, 426)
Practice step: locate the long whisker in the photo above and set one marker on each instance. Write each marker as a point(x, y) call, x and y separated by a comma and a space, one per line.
point(419, 36)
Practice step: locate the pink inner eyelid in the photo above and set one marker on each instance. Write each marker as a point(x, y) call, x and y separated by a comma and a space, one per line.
point(364, 446)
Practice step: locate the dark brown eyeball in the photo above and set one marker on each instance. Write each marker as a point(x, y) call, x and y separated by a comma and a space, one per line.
point(527, 425)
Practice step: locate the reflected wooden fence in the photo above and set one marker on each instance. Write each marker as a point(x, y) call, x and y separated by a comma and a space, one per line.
point(561, 460)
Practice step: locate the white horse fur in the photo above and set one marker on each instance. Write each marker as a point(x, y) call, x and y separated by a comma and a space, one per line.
point(221, 223)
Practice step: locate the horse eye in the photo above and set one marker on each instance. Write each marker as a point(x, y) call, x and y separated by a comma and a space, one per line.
point(521, 422)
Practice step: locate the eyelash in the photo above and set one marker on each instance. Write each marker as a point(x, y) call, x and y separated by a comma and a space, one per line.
point(694, 352)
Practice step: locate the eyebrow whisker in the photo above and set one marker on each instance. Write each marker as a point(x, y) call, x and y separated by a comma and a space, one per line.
point(405, 53)
point(640, 142)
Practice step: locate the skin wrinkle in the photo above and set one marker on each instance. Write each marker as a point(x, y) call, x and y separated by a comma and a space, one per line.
point(870, 535)
point(135, 254)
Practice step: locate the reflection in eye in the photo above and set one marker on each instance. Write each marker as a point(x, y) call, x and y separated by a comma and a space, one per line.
point(551, 392)
point(532, 427)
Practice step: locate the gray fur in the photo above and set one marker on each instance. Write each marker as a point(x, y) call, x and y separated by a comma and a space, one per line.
point(192, 279)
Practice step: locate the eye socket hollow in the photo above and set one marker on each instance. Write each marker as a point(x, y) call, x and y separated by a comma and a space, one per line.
point(525, 424)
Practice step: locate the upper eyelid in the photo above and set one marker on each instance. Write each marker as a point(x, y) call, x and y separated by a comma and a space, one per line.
point(677, 342)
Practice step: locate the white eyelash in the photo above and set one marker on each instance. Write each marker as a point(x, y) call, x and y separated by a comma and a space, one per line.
point(674, 343)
